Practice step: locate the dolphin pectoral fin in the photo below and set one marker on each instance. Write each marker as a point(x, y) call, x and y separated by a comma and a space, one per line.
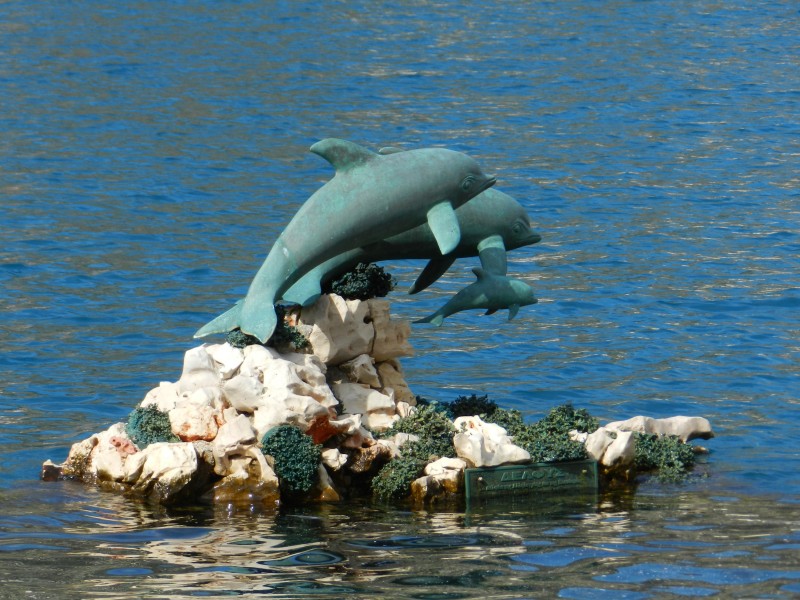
point(432, 271)
point(444, 225)
point(343, 155)
point(306, 291)
point(512, 311)
point(227, 321)
point(492, 253)
point(491, 311)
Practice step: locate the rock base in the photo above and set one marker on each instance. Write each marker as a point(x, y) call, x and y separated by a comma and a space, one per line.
point(343, 393)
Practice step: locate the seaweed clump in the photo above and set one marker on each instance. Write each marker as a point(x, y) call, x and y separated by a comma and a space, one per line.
point(666, 454)
point(149, 425)
point(435, 431)
point(364, 281)
point(296, 458)
point(548, 440)
point(284, 335)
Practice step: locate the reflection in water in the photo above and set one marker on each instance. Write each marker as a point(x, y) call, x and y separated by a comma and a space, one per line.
point(127, 549)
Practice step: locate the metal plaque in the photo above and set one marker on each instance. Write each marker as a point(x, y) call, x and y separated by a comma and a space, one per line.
point(523, 480)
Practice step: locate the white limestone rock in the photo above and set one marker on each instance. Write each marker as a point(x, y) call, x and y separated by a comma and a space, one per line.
point(443, 465)
point(340, 329)
point(234, 437)
point(391, 376)
point(165, 397)
point(361, 369)
point(391, 337)
point(106, 461)
point(404, 409)
point(333, 459)
point(244, 392)
point(360, 399)
point(685, 428)
point(199, 371)
point(485, 444)
point(621, 452)
point(226, 358)
point(163, 469)
point(597, 442)
point(378, 421)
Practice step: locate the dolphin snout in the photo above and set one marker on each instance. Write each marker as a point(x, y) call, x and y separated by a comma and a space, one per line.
point(490, 181)
point(533, 238)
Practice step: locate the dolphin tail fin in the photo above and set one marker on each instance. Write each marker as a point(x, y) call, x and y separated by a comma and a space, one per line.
point(227, 321)
point(435, 318)
point(432, 271)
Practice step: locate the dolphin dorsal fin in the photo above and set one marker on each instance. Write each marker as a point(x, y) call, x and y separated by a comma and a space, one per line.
point(343, 155)
point(479, 273)
point(390, 150)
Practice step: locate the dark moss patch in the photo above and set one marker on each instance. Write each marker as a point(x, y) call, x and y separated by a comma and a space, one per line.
point(434, 429)
point(149, 425)
point(363, 282)
point(393, 481)
point(668, 455)
point(548, 440)
point(284, 335)
point(296, 458)
point(488, 411)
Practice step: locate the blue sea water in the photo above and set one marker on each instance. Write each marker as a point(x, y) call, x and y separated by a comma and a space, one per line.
point(152, 151)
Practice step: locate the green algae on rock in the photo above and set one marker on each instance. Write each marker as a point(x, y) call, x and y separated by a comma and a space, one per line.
point(296, 458)
point(149, 425)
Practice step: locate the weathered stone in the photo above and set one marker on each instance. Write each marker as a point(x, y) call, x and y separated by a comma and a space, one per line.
point(341, 329)
point(226, 358)
point(193, 423)
point(365, 459)
point(324, 490)
point(249, 478)
point(333, 459)
point(621, 452)
point(439, 487)
point(685, 428)
point(361, 369)
point(234, 437)
point(597, 442)
point(199, 371)
point(360, 399)
point(485, 444)
point(444, 465)
point(244, 392)
point(162, 470)
point(391, 337)
point(165, 397)
point(391, 376)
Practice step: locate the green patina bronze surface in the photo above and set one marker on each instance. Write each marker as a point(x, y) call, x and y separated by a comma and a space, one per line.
point(491, 224)
point(370, 198)
point(537, 478)
point(491, 292)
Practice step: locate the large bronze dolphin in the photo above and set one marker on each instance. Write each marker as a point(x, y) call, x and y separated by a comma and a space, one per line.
point(491, 292)
point(371, 197)
point(490, 224)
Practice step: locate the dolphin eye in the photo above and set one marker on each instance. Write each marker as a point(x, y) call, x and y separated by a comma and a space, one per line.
point(467, 183)
point(518, 228)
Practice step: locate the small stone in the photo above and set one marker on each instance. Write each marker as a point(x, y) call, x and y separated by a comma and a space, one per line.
point(361, 369)
point(244, 393)
point(597, 443)
point(359, 399)
point(324, 491)
point(444, 465)
point(333, 459)
point(621, 452)
point(199, 371)
point(227, 359)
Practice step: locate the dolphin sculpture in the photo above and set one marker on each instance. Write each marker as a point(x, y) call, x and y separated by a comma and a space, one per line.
point(491, 292)
point(490, 224)
point(370, 197)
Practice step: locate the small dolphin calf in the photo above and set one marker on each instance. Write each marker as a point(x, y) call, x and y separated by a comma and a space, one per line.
point(491, 292)
point(371, 197)
point(490, 224)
